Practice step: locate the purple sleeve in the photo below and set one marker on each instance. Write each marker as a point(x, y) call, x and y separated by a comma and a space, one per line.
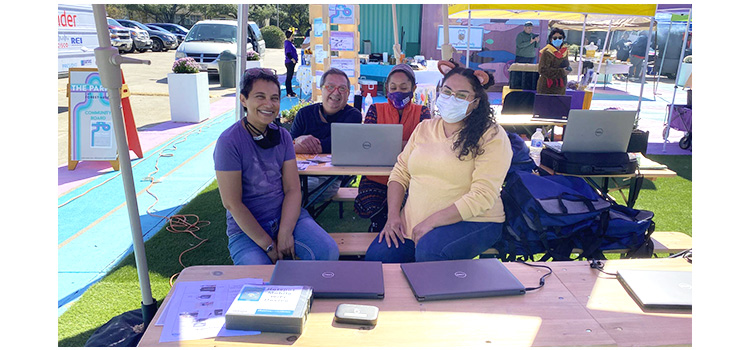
point(288, 145)
point(226, 155)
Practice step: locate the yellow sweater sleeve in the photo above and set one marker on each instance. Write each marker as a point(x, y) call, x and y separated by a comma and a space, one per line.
point(488, 176)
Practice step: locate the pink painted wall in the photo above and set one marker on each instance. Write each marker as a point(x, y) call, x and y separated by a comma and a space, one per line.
point(499, 46)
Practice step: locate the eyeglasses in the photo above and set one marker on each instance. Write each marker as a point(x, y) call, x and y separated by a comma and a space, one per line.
point(343, 89)
point(459, 95)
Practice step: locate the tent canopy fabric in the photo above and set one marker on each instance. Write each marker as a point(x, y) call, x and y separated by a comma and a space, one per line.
point(631, 23)
point(569, 12)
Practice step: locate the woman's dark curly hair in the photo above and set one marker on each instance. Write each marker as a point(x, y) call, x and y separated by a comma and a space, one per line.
point(479, 120)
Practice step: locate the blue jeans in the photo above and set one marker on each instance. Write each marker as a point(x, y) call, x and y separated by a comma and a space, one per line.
point(311, 242)
point(462, 240)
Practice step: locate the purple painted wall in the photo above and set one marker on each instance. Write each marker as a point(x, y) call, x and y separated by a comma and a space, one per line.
point(499, 46)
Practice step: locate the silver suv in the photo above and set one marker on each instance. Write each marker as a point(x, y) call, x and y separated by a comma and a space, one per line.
point(141, 39)
point(207, 39)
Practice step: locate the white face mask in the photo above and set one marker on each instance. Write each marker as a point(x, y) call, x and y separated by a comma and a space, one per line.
point(452, 109)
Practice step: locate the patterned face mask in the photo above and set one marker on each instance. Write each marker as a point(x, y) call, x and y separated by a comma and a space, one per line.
point(399, 99)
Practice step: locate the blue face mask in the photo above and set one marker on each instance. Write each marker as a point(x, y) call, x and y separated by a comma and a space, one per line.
point(557, 42)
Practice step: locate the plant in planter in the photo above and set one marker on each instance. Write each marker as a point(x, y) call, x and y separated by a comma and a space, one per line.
point(253, 59)
point(287, 116)
point(188, 91)
point(185, 65)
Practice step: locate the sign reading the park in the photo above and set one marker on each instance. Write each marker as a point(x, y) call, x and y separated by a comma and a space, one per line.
point(92, 135)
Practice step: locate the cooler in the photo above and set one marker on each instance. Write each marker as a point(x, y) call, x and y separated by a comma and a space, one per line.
point(369, 87)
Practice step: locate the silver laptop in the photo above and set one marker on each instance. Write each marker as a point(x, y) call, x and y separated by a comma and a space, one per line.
point(365, 144)
point(654, 290)
point(458, 279)
point(332, 279)
point(596, 132)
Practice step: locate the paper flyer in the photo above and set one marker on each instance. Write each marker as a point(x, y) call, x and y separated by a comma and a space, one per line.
point(341, 14)
point(196, 310)
point(318, 27)
point(342, 41)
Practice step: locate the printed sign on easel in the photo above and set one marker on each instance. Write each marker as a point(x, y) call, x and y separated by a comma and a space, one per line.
point(91, 132)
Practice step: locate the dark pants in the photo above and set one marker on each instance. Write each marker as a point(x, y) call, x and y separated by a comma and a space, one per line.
point(289, 76)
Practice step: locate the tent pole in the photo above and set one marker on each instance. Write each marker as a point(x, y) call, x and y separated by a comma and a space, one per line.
point(664, 55)
point(396, 45)
point(643, 72)
point(446, 50)
point(108, 63)
point(580, 49)
point(468, 38)
point(242, 10)
point(677, 77)
point(598, 69)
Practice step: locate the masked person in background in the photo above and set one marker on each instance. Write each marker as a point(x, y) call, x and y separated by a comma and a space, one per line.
point(553, 65)
point(399, 89)
point(256, 170)
point(453, 168)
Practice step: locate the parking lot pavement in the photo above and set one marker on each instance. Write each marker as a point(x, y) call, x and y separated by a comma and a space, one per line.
point(149, 92)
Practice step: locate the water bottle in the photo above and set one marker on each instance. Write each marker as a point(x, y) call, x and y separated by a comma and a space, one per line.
point(537, 141)
point(366, 106)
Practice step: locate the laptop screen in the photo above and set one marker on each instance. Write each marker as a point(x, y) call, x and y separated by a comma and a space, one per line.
point(598, 131)
point(552, 106)
point(332, 279)
point(457, 279)
point(365, 144)
point(653, 289)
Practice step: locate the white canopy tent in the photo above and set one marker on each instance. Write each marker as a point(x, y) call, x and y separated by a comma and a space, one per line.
point(679, 9)
point(568, 12)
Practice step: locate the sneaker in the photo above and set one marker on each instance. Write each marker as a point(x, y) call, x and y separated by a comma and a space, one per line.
point(291, 95)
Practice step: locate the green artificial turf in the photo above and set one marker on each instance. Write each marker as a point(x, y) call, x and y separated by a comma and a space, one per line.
point(669, 198)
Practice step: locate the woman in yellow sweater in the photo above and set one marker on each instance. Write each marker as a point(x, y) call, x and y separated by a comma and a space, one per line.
point(453, 168)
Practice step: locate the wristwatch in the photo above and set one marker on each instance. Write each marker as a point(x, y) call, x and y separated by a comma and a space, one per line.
point(269, 248)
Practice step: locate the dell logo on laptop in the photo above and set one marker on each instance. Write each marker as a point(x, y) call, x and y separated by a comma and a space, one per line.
point(366, 145)
point(599, 132)
point(328, 274)
point(460, 274)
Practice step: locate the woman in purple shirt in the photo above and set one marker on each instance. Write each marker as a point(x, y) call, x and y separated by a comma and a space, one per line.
point(256, 170)
point(291, 60)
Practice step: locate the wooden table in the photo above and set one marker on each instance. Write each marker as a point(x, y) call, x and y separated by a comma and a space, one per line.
point(578, 306)
point(335, 172)
point(528, 122)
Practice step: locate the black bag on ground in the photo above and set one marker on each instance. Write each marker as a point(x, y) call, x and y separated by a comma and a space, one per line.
point(585, 163)
point(124, 330)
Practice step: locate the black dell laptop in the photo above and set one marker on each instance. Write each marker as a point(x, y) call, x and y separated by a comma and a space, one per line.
point(458, 279)
point(551, 106)
point(333, 279)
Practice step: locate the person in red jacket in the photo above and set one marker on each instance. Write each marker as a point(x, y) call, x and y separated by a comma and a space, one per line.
point(399, 89)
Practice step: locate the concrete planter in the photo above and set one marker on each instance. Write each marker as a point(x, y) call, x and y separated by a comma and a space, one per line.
point(188, 97)
point(254, 64)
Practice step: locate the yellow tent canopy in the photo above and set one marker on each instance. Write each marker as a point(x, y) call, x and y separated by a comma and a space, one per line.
point(568, 12)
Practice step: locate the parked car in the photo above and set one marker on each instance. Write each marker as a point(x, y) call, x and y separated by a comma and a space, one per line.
point(161, 41)
point(175, 29)
point(141, 40)
point(207, 39)
point(119, 37)
point(160, 29)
